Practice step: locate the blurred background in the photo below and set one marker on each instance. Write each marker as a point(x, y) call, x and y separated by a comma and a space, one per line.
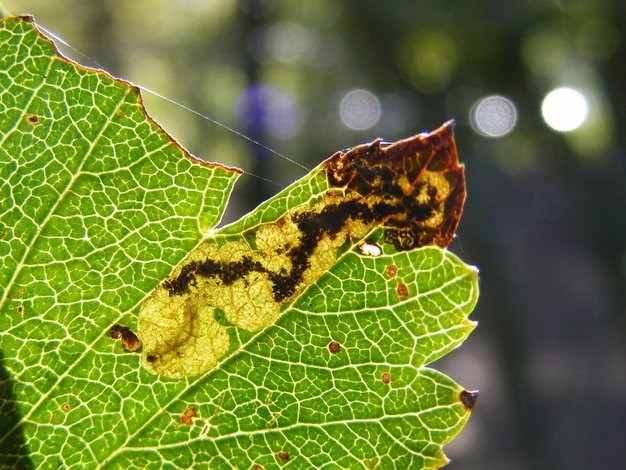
point(538, 91)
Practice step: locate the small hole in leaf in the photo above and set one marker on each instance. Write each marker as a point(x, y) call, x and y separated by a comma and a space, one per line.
point(370, 249)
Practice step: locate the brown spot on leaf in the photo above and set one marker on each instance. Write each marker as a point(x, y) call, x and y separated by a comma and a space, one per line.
point(3, 235)
point(53, 416)
point(284, 456)
point(187, 416)
point(391, 271)
point(130, 341)
point(386, 378)
point(402, 290)
point(20, 309)
point(66, 407)
point(116, 331)
point(334, 347)
point(469, 398)
point(151, 358)
point(33, 119)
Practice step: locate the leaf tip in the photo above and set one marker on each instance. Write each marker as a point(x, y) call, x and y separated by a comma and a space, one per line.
point(444, 461)
point(473, 272)
point(417, 183)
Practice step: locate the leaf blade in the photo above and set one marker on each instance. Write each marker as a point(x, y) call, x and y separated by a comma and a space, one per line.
point(86, 266)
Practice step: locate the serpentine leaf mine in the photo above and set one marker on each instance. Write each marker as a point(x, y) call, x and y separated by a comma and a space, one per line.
point(413, 190)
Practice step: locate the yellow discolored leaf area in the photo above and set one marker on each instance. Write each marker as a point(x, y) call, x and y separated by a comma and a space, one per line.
point(413, 189)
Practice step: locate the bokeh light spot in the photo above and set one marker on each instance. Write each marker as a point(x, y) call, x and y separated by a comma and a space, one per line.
point(359, 110)
point(289, 42)
point(493, 116)
point(564, 109)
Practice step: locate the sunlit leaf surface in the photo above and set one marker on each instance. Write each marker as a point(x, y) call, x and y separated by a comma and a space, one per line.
point(99, 206)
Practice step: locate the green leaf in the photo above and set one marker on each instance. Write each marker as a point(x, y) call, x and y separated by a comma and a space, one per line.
point(99, 206)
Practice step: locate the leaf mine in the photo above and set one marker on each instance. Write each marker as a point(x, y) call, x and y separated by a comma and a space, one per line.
point(413, 189)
